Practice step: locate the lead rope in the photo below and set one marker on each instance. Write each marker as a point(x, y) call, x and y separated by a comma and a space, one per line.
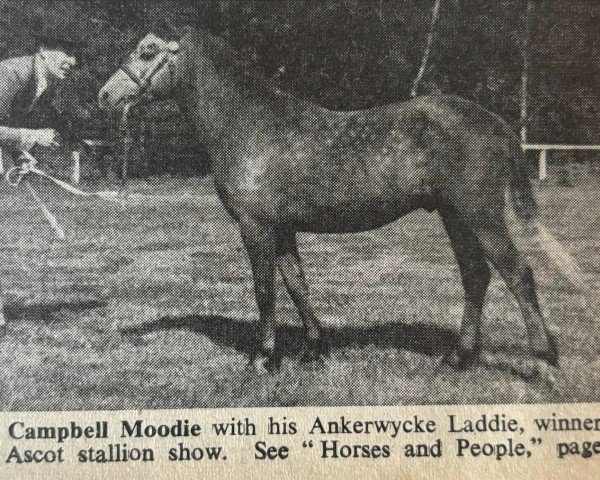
point(126, 142)
point(17, 175)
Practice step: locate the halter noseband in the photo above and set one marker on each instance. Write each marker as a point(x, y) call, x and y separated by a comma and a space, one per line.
point(144, 82)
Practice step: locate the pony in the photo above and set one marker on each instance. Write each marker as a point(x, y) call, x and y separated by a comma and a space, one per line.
point(283, 165)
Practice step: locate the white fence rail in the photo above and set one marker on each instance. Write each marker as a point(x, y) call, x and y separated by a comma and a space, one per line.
point(546, 148)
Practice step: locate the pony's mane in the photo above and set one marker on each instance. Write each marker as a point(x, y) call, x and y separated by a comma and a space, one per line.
point(230, 63)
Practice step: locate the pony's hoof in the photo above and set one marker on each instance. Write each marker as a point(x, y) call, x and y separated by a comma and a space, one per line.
point(312, 356)
point(550, 358)
point(545, 373)
point(461, 359)
point(551, 355)
point(316, 350)
point(534, 370)
point(263, 364)
point(321, 346)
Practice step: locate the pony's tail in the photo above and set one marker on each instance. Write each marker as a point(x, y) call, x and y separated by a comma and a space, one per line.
point(521, 190)
point(526, 210)
point(558, 255)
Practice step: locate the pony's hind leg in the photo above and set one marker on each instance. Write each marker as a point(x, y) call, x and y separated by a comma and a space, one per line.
point(518, 275)
point(290, 266)
point(260, 244)
point(475, 275)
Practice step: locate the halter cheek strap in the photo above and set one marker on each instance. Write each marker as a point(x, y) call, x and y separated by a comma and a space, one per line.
point(144, 82)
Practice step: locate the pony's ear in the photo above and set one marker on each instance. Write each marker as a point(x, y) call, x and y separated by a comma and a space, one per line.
point(173, 47)
point(171, 30)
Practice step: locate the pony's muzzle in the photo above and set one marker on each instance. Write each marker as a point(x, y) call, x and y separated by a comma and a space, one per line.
point(105, 101)
point(117, 91)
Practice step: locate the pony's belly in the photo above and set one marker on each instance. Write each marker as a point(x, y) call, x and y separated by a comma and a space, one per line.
point(345, 219)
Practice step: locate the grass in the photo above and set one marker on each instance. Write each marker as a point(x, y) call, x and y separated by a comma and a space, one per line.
point(150, 305)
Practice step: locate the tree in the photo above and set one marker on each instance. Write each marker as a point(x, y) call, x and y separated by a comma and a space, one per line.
point(126, 13)
point(427, 52)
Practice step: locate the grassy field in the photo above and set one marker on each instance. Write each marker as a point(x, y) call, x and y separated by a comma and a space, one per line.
point(150, 304)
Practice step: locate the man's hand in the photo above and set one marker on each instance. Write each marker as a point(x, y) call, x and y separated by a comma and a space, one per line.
point(47, 138)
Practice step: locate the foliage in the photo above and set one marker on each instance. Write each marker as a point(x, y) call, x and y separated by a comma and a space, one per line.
point(350, 54)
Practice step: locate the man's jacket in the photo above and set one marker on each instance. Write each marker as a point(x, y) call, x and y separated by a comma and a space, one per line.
point(18, 84)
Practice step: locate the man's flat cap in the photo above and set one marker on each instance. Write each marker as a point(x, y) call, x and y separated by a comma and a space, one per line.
point(55, 34)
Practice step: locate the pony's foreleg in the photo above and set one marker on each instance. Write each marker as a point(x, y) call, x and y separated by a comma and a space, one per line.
point(290, 266)
point(475, 274)
point(260, 244)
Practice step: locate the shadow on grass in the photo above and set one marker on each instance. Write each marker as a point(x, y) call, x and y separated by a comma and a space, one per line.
point(426, 339)
point(16, 313)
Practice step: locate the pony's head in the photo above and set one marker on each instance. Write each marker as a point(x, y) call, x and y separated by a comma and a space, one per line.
point(147, 73)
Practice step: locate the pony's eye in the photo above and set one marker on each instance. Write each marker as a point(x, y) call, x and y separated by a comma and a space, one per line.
point(148, 52)
point(145, 55)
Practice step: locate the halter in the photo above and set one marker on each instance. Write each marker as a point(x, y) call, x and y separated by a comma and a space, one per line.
point(144, 82)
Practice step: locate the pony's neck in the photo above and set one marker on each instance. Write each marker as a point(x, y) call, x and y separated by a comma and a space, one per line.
point(223, 96)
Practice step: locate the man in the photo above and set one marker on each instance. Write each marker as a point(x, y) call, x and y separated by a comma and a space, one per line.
point(27, 87)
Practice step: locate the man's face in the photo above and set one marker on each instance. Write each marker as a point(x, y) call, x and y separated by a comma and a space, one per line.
point(59, 63)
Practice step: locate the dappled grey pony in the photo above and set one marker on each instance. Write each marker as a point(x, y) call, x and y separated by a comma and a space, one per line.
point(282, 165)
